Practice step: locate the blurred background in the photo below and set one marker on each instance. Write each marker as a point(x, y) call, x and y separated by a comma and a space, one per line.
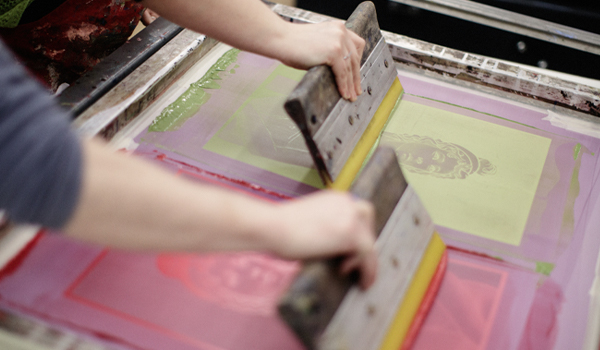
point(471, 37)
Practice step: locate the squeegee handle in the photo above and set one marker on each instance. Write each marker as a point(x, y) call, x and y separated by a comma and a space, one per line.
point(315, 96)
point(319, 288)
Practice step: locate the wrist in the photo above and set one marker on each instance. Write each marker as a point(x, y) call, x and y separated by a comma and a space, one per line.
point(259, 226)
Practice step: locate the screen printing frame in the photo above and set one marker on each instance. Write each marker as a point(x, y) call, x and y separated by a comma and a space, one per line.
point(123, 103)
point(137, 91)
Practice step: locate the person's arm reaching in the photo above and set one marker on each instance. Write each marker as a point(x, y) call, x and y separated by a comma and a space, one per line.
point(48, 177)
point(95, 195)
point(250, 25)
point(127, 203)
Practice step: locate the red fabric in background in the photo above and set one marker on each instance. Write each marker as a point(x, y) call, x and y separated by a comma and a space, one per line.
point(74, 37)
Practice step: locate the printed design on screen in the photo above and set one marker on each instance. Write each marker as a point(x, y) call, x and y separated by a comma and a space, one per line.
point(428, 156)
point(470, 171)
point(246, 283)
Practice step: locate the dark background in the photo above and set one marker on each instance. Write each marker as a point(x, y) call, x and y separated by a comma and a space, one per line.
point(471, 37)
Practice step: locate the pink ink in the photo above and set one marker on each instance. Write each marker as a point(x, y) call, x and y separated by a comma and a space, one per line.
point(472, 252)
point(426, 303)
point(164, 158)
point(542, 323)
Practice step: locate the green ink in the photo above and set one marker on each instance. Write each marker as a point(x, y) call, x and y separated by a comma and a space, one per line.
point(174, 115)
point(568, 222)
point(544, 268)
point(576, 151)
point(232, 71)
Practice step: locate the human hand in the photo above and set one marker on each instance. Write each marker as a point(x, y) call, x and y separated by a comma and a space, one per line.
point(328, 224)
point(330, 43)
point(252, 26)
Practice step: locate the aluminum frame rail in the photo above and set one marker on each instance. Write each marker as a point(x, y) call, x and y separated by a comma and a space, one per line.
point(512, 22)
point(493, 75)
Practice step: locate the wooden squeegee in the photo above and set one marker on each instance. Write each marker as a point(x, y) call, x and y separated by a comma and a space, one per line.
point(324, 308)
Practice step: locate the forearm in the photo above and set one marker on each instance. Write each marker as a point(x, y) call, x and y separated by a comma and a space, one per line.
point(250, 25)
point(246, 24)
point(129, 204)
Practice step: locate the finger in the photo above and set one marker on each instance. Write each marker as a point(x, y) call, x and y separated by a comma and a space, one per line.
point(365, 263)
point(359, 42)
point(366, 213)
point(368, 266)
point(359, 45)
point(364, 257)
point(368, 270)
point(148, 16)
point(348, 68)
point(350, 77)
point(340, 70)
point(353, 63)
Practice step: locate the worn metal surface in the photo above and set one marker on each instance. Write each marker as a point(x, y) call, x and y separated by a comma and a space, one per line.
point(475, 71)
point(315, 295)
point(513, 22)
point(139, 89)
point(494, 74)
point(130, 96)
point(114, 68)
point(134, 93)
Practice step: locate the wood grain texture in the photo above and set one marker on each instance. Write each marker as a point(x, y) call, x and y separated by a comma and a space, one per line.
point(318, 290)
point(316, 94)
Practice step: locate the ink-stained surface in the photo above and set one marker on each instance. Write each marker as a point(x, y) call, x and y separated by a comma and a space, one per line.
point(242, 130)
point(157, 301)
point(143, 301)
point(186, 105)
point(489, 192)
point(260, 132)
point(496, 178)
point(479, 301)
point(561, 187)
point(224, 301)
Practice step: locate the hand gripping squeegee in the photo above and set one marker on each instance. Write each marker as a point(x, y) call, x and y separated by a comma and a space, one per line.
point(339, 133)
point(324, 308)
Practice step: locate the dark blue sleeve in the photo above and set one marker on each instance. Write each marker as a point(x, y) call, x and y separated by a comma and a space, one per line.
point(40, 157)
